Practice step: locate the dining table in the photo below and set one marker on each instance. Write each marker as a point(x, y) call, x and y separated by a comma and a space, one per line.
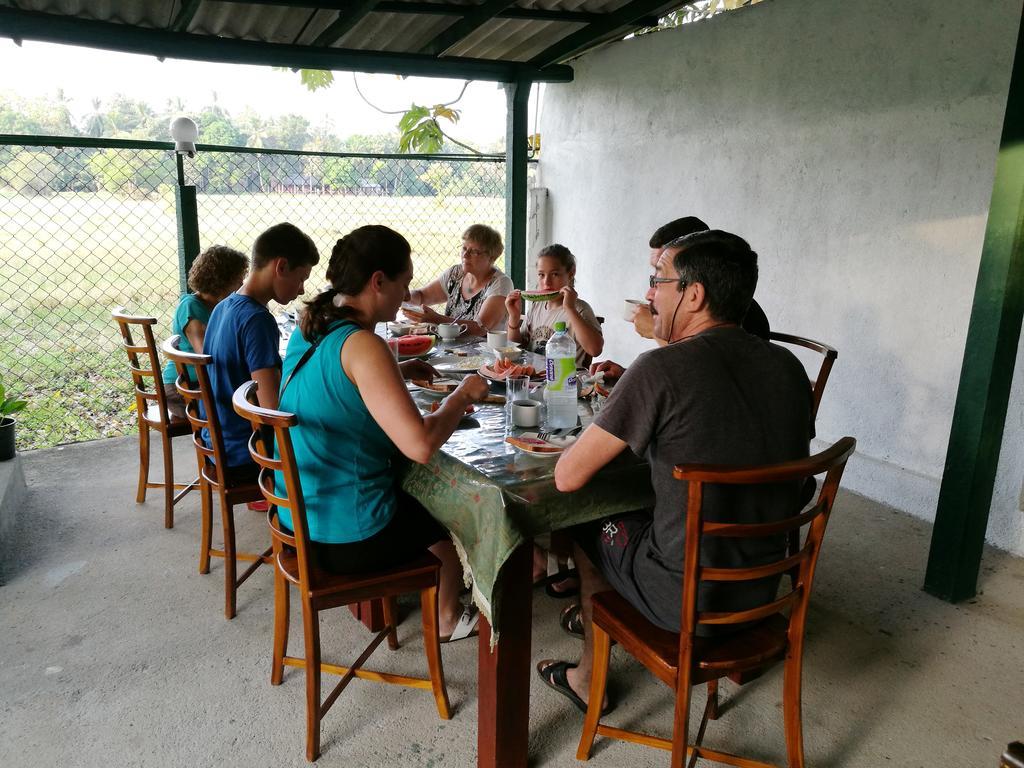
point(495, 499)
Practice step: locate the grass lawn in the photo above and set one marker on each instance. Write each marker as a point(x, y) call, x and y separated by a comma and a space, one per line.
point(67, 260)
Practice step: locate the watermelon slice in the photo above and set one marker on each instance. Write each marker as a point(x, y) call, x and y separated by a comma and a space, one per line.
point(413, 346)
point(539, 295)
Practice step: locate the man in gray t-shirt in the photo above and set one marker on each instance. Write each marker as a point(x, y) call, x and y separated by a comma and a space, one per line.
point(713, 394)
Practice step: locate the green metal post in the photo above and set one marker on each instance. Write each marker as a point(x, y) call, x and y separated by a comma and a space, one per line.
point(984, 392)
point(517, 97)
point(188, 225)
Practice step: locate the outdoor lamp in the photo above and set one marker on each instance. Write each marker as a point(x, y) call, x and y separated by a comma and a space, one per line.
point(184, 131)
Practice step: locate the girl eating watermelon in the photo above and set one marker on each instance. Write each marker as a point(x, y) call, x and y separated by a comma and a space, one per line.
point(556, 272)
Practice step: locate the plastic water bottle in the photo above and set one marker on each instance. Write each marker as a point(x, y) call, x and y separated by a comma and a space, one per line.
point(560, 387)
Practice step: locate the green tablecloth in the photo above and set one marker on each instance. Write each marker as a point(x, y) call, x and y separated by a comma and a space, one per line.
point(493, 498)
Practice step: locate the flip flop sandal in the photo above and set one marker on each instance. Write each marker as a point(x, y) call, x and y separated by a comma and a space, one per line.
point(571, 620)
point(553, 673)
point(571, 575)
point(467, 626)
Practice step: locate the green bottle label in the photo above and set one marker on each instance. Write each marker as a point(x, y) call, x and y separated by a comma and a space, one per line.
point(561, 374)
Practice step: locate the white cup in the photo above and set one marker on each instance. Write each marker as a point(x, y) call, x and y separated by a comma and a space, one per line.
point(497, 339)
point(449, 331)
point(526, 413)
point(631, 308)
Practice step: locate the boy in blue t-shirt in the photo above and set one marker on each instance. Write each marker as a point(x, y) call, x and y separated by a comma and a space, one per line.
point(242, 336)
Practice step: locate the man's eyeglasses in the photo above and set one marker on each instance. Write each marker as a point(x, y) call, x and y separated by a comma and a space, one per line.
point(655, 280)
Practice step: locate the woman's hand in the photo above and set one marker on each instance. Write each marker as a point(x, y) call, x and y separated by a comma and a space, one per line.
point(418, 369)
point(514, 307)
point(475, 388)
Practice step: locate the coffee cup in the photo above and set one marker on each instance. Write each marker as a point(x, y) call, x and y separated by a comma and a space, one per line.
point(526, 413)
point(449, 331)
point(497, 339)
point(631, 308)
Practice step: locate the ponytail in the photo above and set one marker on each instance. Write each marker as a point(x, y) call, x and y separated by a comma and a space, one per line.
point(354, 259)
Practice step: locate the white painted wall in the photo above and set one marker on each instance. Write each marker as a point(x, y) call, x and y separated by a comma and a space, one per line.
point(853, 144)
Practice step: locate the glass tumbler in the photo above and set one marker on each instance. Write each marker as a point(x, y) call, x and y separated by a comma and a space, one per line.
point(516, 388)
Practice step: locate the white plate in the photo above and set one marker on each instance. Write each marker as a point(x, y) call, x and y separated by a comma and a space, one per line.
point(430, 392)
point(458, 363)
point(488, 372)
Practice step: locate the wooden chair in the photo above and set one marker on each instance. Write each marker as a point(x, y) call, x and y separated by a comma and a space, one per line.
point(682, 660)
point(829, 355)
point(202, 414)
point(319, 591)
point(151, 407)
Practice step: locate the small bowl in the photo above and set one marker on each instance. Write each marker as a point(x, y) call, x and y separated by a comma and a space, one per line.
point(511, 351)
point(399, 329)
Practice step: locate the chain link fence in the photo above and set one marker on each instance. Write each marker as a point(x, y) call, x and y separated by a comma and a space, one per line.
point(86, 228)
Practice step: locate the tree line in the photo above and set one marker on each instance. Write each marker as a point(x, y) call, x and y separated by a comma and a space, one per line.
point(141, 173)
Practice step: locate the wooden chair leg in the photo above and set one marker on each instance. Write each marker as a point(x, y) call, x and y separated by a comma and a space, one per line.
point(168, 480)
point(391, 620)
point(681, 721)
point(140, 496)
point(598, 684)
point(713, 698)
point(432, 646)
point(206, 515)
point(282, 599)
point(791, 685)
point(311, 631)
point(230, 562)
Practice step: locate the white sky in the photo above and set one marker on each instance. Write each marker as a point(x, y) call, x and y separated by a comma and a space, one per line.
point(86, 73)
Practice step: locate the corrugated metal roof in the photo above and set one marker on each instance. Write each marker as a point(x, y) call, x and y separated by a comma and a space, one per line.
point(488, 38)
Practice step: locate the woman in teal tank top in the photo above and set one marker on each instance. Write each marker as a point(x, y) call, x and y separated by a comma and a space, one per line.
point(356, 420)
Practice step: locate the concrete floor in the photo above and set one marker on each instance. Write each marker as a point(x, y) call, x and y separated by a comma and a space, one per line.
point(115, 652)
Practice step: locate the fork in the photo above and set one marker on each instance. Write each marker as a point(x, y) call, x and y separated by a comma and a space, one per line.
point(565, 432)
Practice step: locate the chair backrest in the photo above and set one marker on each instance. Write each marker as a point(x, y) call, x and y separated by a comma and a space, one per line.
point(143, 360)
point(262, 451)
point(200, 409)
point(831, 463)
point(829, 355)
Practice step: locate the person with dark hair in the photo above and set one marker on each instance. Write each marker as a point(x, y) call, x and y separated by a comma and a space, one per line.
point(714, 394)
point(556, 271)
point(473, 291)
point(754, 321)
point(216, 272)
point(242, 336)
point(356, 417)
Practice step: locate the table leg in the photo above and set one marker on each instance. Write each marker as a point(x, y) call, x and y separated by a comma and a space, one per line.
point(370, 612)
point(503, 722)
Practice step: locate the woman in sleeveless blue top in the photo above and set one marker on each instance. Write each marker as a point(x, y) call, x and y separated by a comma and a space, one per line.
point(356, 420)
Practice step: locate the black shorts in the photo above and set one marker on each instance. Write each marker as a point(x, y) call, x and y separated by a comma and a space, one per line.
point(406, 536)
point(619, 547)
point(613, 545)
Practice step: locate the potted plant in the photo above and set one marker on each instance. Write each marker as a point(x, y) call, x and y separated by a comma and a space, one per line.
point(8, 407)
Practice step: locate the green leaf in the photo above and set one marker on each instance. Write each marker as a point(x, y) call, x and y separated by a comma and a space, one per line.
point(315, 79)
point(10, 405)
point(3, 393)
point(413, 116)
